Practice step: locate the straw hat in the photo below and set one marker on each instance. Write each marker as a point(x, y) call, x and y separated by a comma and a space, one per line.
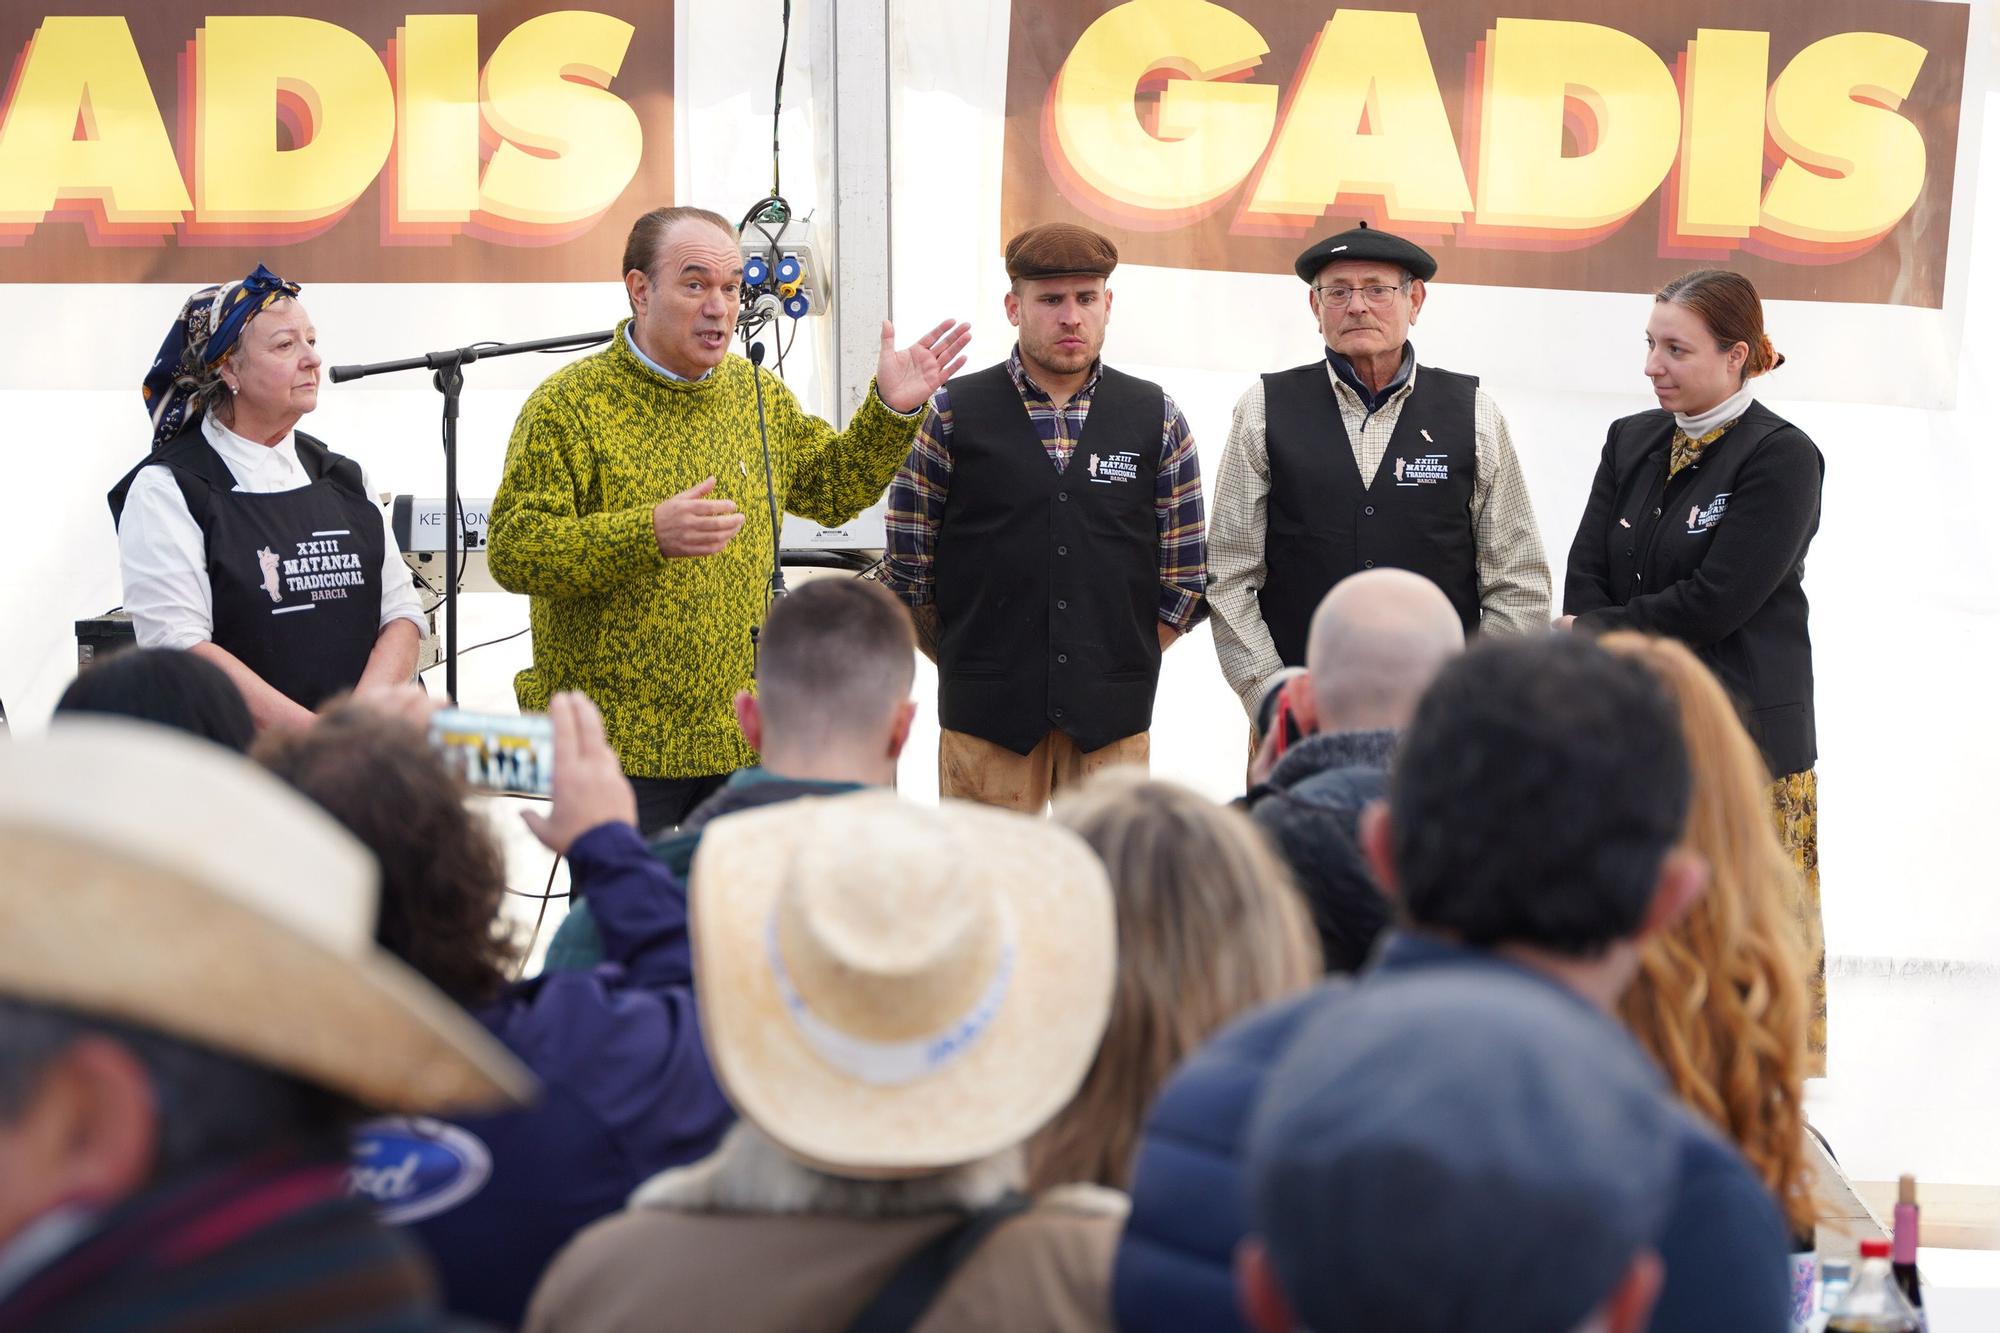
point(892, 990)
point(165, 882)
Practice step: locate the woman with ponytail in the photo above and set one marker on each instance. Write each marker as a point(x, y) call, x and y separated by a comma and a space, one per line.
point(1697, 528)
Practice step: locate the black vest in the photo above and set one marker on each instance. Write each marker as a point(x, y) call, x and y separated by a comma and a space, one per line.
point(1325, 523)
point(1048, 583)
point(295, 577)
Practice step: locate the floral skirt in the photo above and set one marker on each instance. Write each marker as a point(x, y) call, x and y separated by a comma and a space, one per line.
point(1795, 803)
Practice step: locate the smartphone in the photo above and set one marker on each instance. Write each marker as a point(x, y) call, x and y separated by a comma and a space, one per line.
point(1274, 711)
point(511, 754)
point(1286, 725)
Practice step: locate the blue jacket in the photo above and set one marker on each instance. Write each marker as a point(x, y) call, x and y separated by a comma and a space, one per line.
point(1724, 1247)
point(626, 1092)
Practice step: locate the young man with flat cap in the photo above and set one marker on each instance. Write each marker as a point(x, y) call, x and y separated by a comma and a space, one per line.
point(1366, 459)
point(1046, 531)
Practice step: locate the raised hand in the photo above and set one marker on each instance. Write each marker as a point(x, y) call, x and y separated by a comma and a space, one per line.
point(588, 788)
point(689, 524)
point(907, 378)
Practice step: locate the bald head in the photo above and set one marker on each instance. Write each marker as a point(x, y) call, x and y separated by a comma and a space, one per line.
point(1377, 639)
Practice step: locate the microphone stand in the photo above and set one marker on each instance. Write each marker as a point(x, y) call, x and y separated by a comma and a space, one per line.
point(770, 496)
point(448, 377)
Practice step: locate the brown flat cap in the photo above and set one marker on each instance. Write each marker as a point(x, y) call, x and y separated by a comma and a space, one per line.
point(1060, 250)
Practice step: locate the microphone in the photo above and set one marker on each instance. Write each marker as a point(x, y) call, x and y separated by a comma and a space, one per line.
point(770, 491)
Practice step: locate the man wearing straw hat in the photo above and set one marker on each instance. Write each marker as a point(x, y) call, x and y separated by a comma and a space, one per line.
point(894, 999)
point(192, 1012)
point(1046, 531)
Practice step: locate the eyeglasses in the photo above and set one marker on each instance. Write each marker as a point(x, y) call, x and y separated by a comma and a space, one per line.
point(1376, 294)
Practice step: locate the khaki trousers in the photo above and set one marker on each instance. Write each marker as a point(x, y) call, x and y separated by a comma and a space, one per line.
point(971, 769)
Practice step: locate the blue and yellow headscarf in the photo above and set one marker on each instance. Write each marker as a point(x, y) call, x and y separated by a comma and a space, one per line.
point(210, 323)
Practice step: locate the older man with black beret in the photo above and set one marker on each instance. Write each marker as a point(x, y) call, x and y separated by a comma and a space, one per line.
point(1046, 531)
point(1366, 459)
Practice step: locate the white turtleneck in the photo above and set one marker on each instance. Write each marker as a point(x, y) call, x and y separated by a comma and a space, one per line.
point(1729, 409)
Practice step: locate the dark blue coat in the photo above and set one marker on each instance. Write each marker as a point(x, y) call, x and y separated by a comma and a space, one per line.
point(626, 1092)
point(1725, 1245)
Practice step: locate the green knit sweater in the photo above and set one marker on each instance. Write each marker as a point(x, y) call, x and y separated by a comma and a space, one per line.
point(661, 646)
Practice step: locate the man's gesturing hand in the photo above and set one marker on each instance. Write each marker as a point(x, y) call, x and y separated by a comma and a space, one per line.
point(906, 378)
point(691, 524)
point(589, 788)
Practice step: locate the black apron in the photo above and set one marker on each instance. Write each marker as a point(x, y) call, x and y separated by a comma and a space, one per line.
point(295, 577)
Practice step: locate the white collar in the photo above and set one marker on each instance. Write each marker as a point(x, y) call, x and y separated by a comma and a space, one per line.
point(240, 451)
point(633, 343)
point(1729, 409)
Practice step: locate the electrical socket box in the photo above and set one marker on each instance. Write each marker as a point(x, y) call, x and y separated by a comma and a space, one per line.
point(788, 264)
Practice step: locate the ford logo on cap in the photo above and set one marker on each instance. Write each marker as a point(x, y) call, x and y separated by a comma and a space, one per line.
point(413, 1167)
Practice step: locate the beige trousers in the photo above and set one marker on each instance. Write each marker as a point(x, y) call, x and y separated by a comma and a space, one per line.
point(971, 769)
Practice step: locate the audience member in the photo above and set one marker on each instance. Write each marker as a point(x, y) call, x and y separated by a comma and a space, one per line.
point(619, 1047)
point(1375, 643)
point(1721, 999)
point(170, 686)
point(191, 1015)
point(1534, 809)
point(1513, 1178)
point(832, 709)
point(1209, 926)
point(896, 998)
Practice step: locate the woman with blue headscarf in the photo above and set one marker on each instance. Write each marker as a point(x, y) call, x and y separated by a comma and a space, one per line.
point(245, 540)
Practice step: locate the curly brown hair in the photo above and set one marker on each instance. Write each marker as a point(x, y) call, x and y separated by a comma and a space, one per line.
point(443, 876)
point(1720, 1000)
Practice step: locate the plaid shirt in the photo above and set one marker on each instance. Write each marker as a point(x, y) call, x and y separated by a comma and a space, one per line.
point(917, 496)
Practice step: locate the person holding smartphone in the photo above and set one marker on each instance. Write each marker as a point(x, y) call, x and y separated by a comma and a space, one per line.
point(617, 1049)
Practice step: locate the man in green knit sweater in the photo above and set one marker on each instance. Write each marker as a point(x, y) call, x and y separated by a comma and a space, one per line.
point(632, 506)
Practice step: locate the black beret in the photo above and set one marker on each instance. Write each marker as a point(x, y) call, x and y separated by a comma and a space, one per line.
point(1365, 242)
point(1060, 250)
